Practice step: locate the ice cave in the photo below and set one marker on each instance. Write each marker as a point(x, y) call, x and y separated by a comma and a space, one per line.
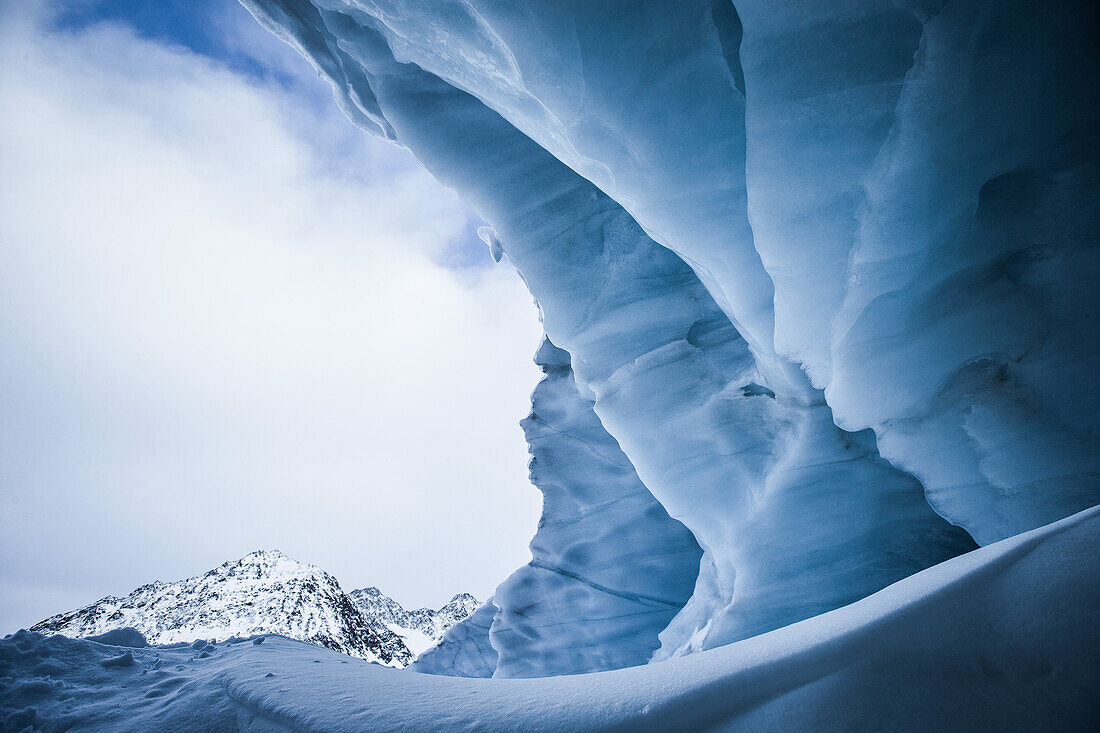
point(815, 435)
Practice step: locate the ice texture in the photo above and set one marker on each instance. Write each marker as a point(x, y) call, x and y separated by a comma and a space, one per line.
point(1003, 638)
point(896, 198)
point(609, 567)
point(465, 650)
point(794, 515)
point(922, 185)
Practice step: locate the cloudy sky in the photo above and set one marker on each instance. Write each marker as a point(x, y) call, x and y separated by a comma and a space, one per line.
point(229, 320)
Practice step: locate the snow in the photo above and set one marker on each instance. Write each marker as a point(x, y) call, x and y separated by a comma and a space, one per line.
point(125, 636)
point(419, 629)
point(265, 592)
point(126, 659)
point(893, 661)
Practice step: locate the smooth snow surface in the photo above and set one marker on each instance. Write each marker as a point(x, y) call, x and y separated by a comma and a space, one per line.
point(1002, 638)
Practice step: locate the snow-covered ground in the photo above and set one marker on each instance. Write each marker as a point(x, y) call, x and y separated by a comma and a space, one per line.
point(1002, 638)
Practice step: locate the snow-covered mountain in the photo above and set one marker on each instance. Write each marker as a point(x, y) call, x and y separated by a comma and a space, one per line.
point(267, 592)
point(421, 628)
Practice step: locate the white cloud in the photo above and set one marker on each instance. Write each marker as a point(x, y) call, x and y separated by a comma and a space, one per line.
point(224, 326)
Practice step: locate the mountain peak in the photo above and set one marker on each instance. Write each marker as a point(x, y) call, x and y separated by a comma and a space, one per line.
point(421, 628)
point(271, 554)
point(463, 597)
point(269, 558)
point(267, 592)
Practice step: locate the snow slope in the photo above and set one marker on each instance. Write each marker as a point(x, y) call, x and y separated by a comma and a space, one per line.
point(1002, 638)
point(267, 592)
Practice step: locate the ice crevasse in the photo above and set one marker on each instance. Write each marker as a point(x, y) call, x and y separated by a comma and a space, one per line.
point(823, 278)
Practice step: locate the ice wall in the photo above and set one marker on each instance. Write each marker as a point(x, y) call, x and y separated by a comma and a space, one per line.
point(922, 179)
point(464, 651)
point(746, 469)
point(609, 568)
point(748, 225)
point(906, 168)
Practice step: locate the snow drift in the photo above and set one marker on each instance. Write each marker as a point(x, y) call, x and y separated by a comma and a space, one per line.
point(951, 648)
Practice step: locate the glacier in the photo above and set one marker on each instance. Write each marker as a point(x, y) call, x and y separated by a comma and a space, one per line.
point(819, 284)
point(842, 181)
point(733, 441)
point(820, 293)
